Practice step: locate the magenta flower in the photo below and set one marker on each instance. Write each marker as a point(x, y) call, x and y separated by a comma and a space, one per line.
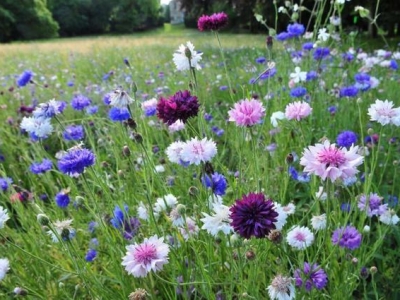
point(297, 110)
point(214, 22)
point(327, 161)
point(181, 106)
point(247, 112)
point(151, 255)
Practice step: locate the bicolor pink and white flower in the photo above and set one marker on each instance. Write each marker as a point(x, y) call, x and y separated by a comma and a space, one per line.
point(384, 113)
point(328, 161)
point(297, 110)
point(300, 237)
point(196, 151)
point(247, 112)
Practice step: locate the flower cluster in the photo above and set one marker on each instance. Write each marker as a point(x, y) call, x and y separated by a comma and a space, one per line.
point(214, 22)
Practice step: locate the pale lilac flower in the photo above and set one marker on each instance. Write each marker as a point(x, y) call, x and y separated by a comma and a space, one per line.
point(327, 161)
point(298, 75)
point(3, 217)
point(189, 229)
point(176, 126)
point(174, 152)
point(278, 115)
point(389, 217)
point(39, 127)
point(318, 222)
point(384, 113)
point(196, 151)
point(373, 205)
point(300, 237)
point(297, 110)
point(218, 221)
point(289, 209)
point(186, 57)
point(247, 112)
point(4, 267)
point(150, 255)
point(281, 288)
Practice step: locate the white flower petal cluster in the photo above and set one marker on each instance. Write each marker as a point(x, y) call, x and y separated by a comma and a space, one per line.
point(384, 113)
point(3, 217)
point(186, 57)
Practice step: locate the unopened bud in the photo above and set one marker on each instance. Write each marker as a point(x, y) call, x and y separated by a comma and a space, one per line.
point(20, 291)
point(181, 209)
point(354, 260)
point(126, 151)
point(134, 87)
point(395, 162)
point(275, 236)
point(188, 53)
point(373, 269)
point(138, 294)
point(42, 219)
point(193, 191)
point(370, 131)
point(130, 123)
point(250, 255)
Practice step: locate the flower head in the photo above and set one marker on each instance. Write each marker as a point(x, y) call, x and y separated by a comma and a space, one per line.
point(346, 139)
point(247, 112)
point(295, 29)
point(298, 75)
point(62, 198)
point(4, 267)
point(75, 161)
point(180, 106)
point(298, 92)
point(5, 183)
point(300, 237)
point(318, 222)
point(384, 113)
point(196, 151)
point(327, 161)
point(214, 22)
point(347, 237)
point(253, 215)
point(117, 114)
point(217, 182)
point(73, 133)
point(218, 221)
point(49, 109)
point(79, 102)
point(186, 58)
point(311, 276)
point(38, 127)
point(297, 110)
point(150, 255)
point(24, 78)
point(281, 288)
point(3, 217)
point(41, 167)
point(372, 205)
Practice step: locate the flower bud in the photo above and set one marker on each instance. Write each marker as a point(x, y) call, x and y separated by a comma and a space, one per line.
point(42, 219)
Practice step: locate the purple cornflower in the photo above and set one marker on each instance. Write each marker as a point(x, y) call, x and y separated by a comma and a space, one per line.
point(106, 99)
point(214, 22)
point(295, 30)
point(308, 46)
point(283, 36)
point(74, 133)
point(346, 139)
point(253, 216)
point(92, 109)
point(79, 102)
point(373, 205)
point(91, 255)
point(118, 114)
point(181, 106)
point(131, 227)
point(268, 74)
point(348, 91)
point(393, 64)
point(347, 237)
point(321, 53)
point(128, 226)
point(5, 182)
point(311, 75)
point(218, 131)
point(208, 117)
point(332, 110)
point(260, 60)
point(62, 198)
point(217, 183)
point(75, 161)
point(24, 78)
point(348, 56)
point(49, 109)
point(41, 167)
point(311, 276)
point(345, 207)
point(298, 92)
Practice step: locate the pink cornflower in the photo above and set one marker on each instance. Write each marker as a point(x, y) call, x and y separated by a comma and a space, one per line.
point(196, 151)
point(300, 237)
point(384, 113)
point(247, 112)
point(214, 22)
point(297, 110)
point(142, 258)
point(328, 161)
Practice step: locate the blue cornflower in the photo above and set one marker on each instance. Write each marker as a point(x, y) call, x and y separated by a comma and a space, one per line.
point(223, 87)
point(118, 220)
point(75, 161)
point(260, 60)
point(92, 226)
point(268, 74)
point(131, 227)
point(70, 83)
point(62, 198)
point(302, 177)
point(41, 167)
point(208, 117)
point(311, 75)
point(91, 110)
point(362, 78)
point(295, 30)
point(106, 99)
point(5, 183)
point(391, 201)
point(118, 114)
point(296, 54)
point(321, 53)
point(332, 110)
point(49, 109)
point(348, 56)
point(349, 181)
point(24, 78)
point(348, 91)
point(393, 64)
point(79, 102)
point(308, 46)
point(346, 139)
point(283, 36)
point(74, 133)
point(298, 92)
point(345, 207)
point(217, 183)
point(91, 255)
point(218, 131)
point(106, 76)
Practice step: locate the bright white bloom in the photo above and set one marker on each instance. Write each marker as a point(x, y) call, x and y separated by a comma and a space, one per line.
point(217, 222)
point(298, 75)
point(59, 227)
point(282, 216)
point(189, 229)
point(319, 222)
point(3, 217)
point(174, 152)
point(142, 211)
point(385, 63)
point(151, 255)
point(323, 35)
point(4, 267)
point(300, 237)
point(396, 55)
point(389, 217)
point(281, 288)
point(196, 151)
point(186, 57)
point(321, 195)
point(384, 113)
point(290, 208)
point(168, 201)
point(119, 98)
point(40, 127)
point(278, 115)
point(176, 126)
point(159, 169)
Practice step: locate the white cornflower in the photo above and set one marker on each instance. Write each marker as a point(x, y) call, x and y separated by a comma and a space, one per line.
point(142, 211)
point(319, 222)
point(168, 201)
point(3, 217)
point(119, 98)
point(300, 237)
point(176, 126)
point(4, 267)
point(289, 209)
point(281, 288)
point(323, 35)
point(389, 217)
point(61, 227)
point(282, 216)
point(278, 115)
point(335, 20)
point(186, 57)
point(384, 113)
point(39, 127)
point(217, 222)
point(159, 169)
point(174, 152)
point(298, 75)
point(196, 151)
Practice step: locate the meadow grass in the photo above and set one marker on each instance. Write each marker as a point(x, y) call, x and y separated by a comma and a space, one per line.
point(133, 179)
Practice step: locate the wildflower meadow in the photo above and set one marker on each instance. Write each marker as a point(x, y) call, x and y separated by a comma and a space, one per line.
point(202, 165)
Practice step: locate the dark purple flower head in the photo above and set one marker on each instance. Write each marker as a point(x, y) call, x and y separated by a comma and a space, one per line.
point(79, 102)
point(74, 133)
point(217, 183)
point(373, 205)
point(310, 276)
point(181, 106)
point(24, 78)
point(347, 237)
point(62, 198)
point(75, 161)
point(295, 29)
point(41, 167)
point(253, 216)
point(214, 22)
point(348, 91)
point(346, 139)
